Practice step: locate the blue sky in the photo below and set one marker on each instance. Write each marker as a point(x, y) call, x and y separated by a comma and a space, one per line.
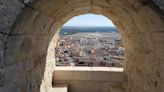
point(89, 20)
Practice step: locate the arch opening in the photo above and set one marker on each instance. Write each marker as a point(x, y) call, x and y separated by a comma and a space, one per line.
point(89, 40)
point(33, 31)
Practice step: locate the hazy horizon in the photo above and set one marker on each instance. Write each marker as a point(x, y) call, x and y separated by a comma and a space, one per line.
point(86, 29)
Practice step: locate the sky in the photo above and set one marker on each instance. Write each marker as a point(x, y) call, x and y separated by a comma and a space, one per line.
point(89, 20)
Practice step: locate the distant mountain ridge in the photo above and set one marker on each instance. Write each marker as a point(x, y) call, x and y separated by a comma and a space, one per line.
point(68, 30)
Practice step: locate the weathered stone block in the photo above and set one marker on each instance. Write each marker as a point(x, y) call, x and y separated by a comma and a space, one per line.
point(63, 75)
point(83, 75)
point(101, 76)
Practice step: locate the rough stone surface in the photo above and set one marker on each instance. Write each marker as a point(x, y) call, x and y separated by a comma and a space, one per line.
point(88, 80)
point(160, 4)
point(26, 48)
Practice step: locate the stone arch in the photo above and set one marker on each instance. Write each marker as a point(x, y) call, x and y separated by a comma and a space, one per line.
point(26, 46)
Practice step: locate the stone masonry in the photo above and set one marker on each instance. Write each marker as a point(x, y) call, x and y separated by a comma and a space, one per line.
point(27, 28)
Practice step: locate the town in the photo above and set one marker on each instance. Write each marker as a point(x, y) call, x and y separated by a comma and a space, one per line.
point(94, 49)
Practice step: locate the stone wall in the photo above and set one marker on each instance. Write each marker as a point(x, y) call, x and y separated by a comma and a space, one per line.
point(25, 66)
point(89, 79)
point(26, 36)
point(9, 11)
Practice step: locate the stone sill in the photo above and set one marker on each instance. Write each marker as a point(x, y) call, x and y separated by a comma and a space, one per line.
point(107, 69)
point(108, 74)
